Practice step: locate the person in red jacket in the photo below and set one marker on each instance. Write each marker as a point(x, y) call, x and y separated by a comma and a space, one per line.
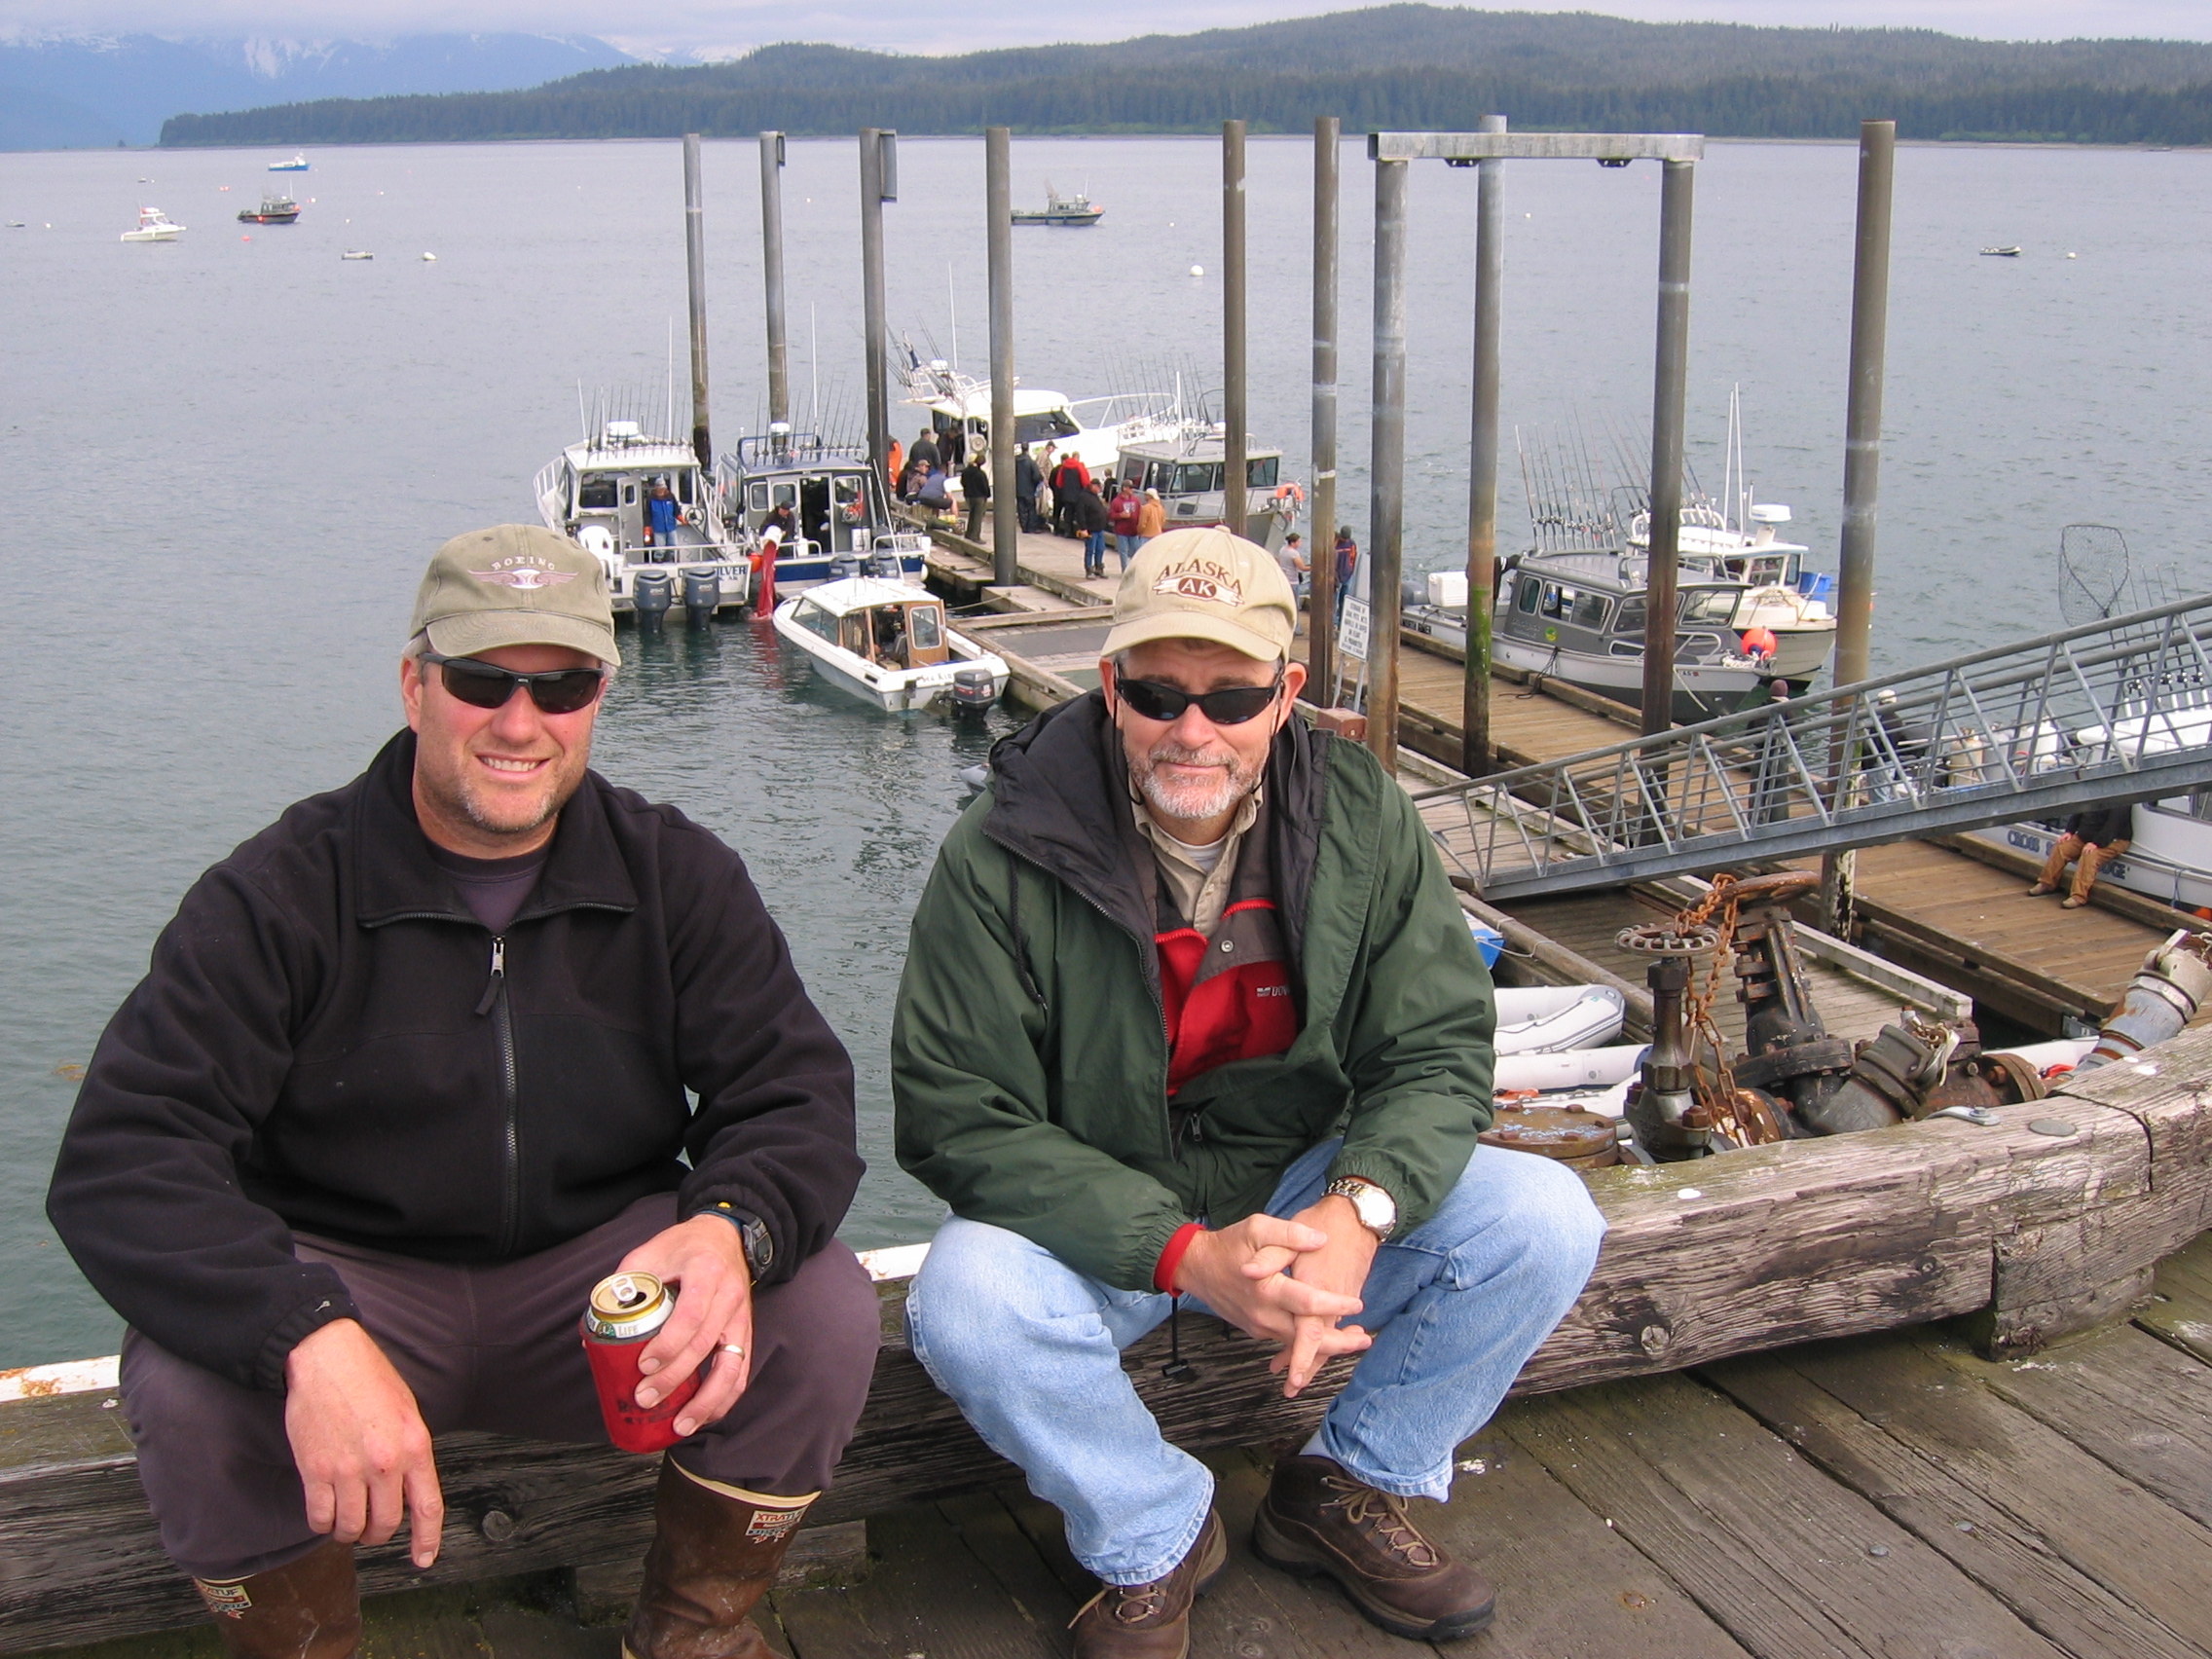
point(409, 1072)
point(1069, 478)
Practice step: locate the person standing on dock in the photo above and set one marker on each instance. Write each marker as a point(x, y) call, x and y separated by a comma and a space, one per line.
point(1027, 482)
point(1191, 1016)
point(1291, 556)
point(1070, 479)
point(1121, 518)
point(976, 491)
point(1152, 518)
point(2091, 839)
point(406, 1078)
point(1091, 518)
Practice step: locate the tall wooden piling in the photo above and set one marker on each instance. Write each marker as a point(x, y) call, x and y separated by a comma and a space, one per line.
point(1386, 511)
point(998, 192)
point(879, 183)
point(1236, 417)
point(695, 270)
point(1321, 594)
point(772, 272)
point(1475, 753)
point(1669, 399)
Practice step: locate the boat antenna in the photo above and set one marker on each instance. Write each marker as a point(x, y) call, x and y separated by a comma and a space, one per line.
point(668, 416)
point(583, 421)
point(952, 305)
point(813, 373)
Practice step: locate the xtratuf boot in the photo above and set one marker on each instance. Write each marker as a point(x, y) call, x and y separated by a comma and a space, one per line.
point(308, 1609)
point(715, 1554)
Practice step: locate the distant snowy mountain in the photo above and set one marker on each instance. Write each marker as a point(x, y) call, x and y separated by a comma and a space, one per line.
point(73, 93)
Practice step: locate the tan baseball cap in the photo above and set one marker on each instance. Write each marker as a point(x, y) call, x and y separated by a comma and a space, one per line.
point(1205, 584)
point(515, 584)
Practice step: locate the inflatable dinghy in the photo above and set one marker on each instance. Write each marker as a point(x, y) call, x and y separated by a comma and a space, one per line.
point(1575, 1068)
point(1545, 1020)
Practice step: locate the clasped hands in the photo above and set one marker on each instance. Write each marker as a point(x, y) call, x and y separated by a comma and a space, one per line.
point(1288, 1282)
point(358, 1438)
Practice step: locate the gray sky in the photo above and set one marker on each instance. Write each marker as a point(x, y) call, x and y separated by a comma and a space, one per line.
point(726, 27)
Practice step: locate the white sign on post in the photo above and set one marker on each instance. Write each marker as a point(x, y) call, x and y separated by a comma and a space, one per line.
point(1352, 629)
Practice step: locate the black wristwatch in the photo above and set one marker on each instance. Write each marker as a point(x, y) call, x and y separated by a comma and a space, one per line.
point(759, 1247)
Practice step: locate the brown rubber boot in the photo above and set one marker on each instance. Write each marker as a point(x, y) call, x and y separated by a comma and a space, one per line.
point(715, 1554)
point(1317, 1519)
point(1152, 1621)
point(307, 1610)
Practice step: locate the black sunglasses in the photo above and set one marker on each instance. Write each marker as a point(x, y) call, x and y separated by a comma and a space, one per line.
point(1231, 705)
point(487, 685)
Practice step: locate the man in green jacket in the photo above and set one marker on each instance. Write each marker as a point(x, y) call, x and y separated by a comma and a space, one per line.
point(1191, 1013)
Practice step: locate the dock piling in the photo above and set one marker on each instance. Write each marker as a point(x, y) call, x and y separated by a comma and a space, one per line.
point(1322, 592)
point(1475, 758)
point(1236, 495)
point(998, 189)
point(1386, 468)
point(1669, 398)
point(695, 269)
point(879, 183)
point(772, 272)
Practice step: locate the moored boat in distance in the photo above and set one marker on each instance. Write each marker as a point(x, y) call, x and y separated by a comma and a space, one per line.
point(2012, 252)
point(597, 494)
point(298, 163)
point(886, 641)
point(276, 208)
point(356, 253)
point(154, 226)
point(1058, 209)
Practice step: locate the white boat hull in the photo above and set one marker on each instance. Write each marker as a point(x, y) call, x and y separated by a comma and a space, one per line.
point(1540, 1020)
point(2169, 856)
point(895, 692)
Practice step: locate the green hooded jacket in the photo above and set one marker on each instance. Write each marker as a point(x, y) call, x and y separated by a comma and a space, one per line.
point(1029, 1052)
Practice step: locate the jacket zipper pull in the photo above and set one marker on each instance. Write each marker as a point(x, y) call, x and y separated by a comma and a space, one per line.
point(499, 975)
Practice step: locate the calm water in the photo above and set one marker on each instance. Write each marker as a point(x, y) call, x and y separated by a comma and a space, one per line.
point(228, 459)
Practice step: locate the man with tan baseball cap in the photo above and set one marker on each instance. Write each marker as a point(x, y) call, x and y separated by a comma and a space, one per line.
point(412, 1072)
point(1191, 1016)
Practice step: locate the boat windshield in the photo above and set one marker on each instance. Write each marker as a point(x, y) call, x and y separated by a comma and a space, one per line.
point(1044, 427)
point(1711, 607)
point(597, 492)
point(922, 620)
point(816, 620)
point(1195, 478)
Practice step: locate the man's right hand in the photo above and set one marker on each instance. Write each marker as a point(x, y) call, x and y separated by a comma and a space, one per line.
point(360, 1441)
point(1239, 1273)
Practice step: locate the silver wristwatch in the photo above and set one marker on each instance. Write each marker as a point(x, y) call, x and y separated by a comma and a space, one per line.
point(1377, 1211)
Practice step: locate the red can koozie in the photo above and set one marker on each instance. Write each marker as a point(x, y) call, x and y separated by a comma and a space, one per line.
point(623, 1316)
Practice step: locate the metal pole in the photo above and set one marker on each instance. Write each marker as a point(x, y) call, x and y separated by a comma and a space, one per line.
point(1385, 525)
point(1235, 500)
point(998, 189)
point(1321, 600)
point(1481, 457)
point(874, 345)
point(772, 272)
point(1861, 454)
point(1669, 391)
point(695, 264)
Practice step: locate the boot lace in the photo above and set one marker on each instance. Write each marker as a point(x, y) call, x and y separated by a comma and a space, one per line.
point(1382, 1520)
point(1129, 1604)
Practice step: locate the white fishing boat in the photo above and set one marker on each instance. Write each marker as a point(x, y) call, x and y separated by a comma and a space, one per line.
point(1188, 468)
point(830, 496)
point(2169, 855)
point(1058, 209)
point(1093, 430)
point(598, 493)
point(298, 163)
point(887, 642)
point(154, 226)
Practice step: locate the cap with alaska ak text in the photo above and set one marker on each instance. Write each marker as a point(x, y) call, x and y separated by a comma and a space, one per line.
point(515, 584)
point(1205, 584)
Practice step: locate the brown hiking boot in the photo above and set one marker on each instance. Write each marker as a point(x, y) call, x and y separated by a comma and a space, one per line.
point(715, 1554)
point(1317, 1519)
point(1152, 1621)
point(309, 1608)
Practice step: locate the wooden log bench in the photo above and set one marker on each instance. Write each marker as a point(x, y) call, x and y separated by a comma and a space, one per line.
point(2034, 1235)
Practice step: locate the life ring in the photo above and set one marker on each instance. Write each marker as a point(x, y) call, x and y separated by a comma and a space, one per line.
point(1291, 491)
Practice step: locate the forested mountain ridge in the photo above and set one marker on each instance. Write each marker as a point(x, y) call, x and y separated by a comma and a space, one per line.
point(1402, 65)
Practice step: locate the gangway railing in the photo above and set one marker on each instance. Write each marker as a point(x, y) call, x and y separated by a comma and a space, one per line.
point(2112, 710)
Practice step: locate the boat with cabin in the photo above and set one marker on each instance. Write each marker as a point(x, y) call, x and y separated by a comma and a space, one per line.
point(886, 641)
point(1058, 209)
point(276, 208)
point(154, 226)
point(595, 494)
point(1093, 430)
point(838, 518)
point(298, 163)
point(1187, 466)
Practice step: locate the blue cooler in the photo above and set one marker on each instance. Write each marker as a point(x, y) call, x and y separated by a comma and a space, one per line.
point(1487, 940)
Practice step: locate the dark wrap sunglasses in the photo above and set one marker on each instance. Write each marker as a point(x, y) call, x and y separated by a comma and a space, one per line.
point(487, 685)
point(1231, 705)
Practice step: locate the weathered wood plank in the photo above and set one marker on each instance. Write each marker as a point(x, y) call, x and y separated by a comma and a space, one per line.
point(1768, 1544)
point(2140, 1548)
point(1981, 1539)
point(2180, 1311)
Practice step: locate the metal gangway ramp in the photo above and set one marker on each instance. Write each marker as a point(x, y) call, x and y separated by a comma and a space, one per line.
point(2115, 710)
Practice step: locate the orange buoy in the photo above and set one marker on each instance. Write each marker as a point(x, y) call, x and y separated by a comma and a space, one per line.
point(1761, 643)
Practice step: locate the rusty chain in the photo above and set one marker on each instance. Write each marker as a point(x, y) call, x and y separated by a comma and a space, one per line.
point(1738, 1112)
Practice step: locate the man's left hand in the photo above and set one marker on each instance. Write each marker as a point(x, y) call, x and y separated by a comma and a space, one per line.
point(1339, 1265)
point(705, 1259)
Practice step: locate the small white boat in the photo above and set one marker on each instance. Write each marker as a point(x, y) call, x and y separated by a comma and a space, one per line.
point(887, 642)
point(2001, 252)
point(298, 163)
point(356, 253)
point(1545, 1020)
point(1568, 1069)
point(154, 226)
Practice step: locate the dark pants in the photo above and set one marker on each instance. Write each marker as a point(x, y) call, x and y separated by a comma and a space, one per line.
point(978, 511)
point(495, 1349)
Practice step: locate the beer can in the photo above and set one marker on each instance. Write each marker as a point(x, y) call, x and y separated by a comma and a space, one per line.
point(624, 1314)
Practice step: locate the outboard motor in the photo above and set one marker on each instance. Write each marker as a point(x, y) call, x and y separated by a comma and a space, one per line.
point(842, 566)
point(652, 592)
point(972, 690)
point(702, 594)
point(885, 562)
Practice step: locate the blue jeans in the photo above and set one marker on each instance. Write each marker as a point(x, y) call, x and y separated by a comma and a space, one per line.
point(1031, 1352)
point(1127, 547)
point(1094, 553)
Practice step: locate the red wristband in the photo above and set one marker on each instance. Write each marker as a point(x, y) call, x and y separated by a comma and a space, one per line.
point(1171, 1258)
